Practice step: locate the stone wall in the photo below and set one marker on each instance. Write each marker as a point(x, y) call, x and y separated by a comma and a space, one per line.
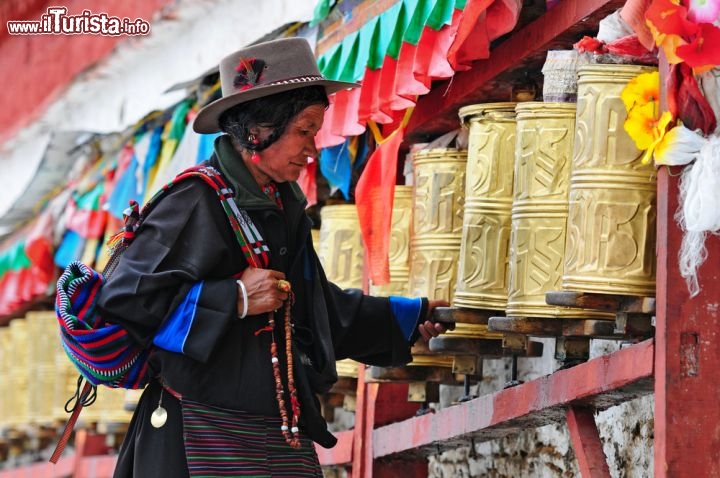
point(625, 430)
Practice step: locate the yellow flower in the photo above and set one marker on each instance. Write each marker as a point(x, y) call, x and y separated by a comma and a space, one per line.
point(641, 124)
point(658, 134)
point(641, 90)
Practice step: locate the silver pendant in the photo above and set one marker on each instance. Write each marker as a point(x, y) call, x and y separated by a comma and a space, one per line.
point(158, 417)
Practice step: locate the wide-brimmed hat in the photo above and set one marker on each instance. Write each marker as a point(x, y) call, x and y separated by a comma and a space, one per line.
point(261, 70)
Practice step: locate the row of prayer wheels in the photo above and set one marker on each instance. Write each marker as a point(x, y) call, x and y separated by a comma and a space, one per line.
point(548, 196)
point(37, 379)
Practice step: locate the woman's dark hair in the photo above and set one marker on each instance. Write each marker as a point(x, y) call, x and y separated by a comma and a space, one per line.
point(274, 112)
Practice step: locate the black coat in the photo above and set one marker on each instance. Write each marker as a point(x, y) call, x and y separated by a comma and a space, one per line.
point(187, 238)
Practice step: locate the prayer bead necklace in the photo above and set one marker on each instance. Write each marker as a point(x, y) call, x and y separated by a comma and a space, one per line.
point(289, 429)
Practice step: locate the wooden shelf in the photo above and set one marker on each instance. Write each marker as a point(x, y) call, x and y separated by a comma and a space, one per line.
point(491, 80)
point(631, 326)
point(605, 302)
point(599, 383)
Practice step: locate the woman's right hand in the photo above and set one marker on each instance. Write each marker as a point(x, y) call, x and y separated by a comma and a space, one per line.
point(263, 293)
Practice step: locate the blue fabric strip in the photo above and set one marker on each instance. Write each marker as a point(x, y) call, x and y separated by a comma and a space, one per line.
point(406, 312)
point(173, 333)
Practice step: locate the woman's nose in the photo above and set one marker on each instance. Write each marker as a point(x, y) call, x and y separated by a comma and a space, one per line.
point(311, 149)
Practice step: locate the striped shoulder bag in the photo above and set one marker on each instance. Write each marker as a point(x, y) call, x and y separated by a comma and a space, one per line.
point(104, 353)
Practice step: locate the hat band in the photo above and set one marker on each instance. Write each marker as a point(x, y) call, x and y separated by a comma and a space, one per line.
point(299, 79)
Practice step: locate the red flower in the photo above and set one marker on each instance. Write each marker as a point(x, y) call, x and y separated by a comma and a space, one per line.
point(704, 49)
point(670, 18)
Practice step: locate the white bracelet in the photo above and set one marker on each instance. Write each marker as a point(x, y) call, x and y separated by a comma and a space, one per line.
point(245, 298)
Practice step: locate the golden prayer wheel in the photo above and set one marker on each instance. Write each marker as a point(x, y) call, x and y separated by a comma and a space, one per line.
point(483, 267)
point(6, 363)
point(19, 373)
point(43, 328)
point(439, 196)
point(66, 378)
point(108, 409)
point(315, 235)
point(545, 133)
point(347, 368)
point(399, 250)
point(341, 249)
point(131, 399)
point(611, 220)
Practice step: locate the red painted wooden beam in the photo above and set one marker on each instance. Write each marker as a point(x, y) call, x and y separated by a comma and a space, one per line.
point(586, 443)
point(96, 467)
point(599, 383)
point(687, 383)
point(63, 468)
point(340, 454)
point(436, 112)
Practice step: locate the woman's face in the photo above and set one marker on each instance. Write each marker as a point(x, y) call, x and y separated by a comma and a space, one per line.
point(285, 159)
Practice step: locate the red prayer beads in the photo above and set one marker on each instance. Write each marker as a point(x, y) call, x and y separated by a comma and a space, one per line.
point(289, 429)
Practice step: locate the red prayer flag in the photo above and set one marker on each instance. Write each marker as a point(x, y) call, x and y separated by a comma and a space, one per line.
point(325, 137)
point(482, 22)
point(345, 117)
point(405, 81)
point(438, 66)
point(374, 199)
point(386, 91)
point(369, 97)
point(308, 183)
point(472, 25)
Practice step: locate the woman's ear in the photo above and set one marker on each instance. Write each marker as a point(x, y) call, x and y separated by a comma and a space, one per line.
point(255, 130)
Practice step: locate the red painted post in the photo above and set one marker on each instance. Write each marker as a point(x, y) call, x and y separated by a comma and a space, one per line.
point(586, 443)
point(379, 404)
point(687, 353)
point(364, 422)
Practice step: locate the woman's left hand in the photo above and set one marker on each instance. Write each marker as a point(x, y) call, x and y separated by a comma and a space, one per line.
point(429, 329)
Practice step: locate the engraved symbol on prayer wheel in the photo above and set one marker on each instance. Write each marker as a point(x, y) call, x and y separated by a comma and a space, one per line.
point(399, 250)
point(483, 266)
point(341, 249)
point(611, 222)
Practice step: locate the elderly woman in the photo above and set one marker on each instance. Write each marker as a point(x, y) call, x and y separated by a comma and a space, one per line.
point(236, 371)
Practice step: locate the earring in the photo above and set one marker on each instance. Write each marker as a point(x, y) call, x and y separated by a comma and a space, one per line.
point(255, 158)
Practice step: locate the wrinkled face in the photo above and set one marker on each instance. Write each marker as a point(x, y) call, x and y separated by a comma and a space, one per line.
point(285, 159)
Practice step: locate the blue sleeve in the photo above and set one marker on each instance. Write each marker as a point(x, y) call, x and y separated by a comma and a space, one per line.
point(173, 333)
point(407, 313)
